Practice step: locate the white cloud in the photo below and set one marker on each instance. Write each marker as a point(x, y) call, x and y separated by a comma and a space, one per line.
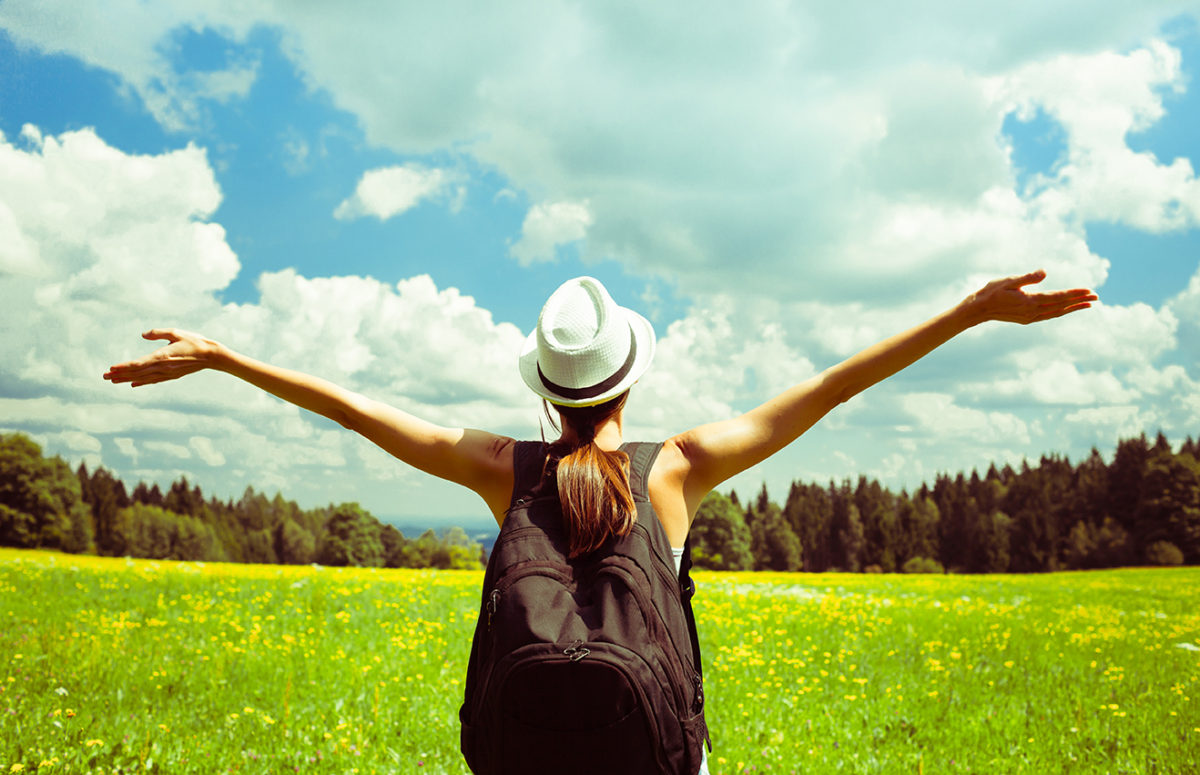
point(1113, 335)
point(1100, 99)
point(390, 191)
point(1124, 421)
point(135, 40)
point(1185, 308)
point(204, 449)
point(168, 448)
point(939, 414)
point(756, 150)
point(547, 226)
point(1062, 383)
point(118, 239)
point(127, 447)
point(223, 85)
point(76, 441)
point(122, 246)
point(719, 360)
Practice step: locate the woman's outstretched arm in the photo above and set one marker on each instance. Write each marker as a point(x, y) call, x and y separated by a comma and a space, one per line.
point(475, 459)
point(710, 454)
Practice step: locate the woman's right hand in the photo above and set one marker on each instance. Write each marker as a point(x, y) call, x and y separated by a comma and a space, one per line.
point(186, 354)
point(1007, 300)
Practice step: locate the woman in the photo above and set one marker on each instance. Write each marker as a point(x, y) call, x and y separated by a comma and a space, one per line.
point(583, 357)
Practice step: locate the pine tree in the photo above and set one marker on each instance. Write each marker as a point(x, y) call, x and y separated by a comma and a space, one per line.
point(809, 512)
point(773, 545)
point(1125, 477)
point(1170, 507)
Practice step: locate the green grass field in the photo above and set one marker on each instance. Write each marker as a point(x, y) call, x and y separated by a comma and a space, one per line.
point(124, 666)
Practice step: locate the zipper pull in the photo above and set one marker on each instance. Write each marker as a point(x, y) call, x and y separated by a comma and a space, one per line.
point(698, 696)
point(576, 651)
point(492, 604)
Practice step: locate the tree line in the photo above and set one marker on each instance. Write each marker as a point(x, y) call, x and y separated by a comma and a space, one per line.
point(1142, 508)
point(43, 504)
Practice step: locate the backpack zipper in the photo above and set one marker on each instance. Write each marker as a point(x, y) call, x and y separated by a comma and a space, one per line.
point(656, 627)
point(534, 568)
point(684, 657)
point(576, 651)
point(492, 604)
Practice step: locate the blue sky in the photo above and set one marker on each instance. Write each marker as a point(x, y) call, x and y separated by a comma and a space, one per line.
point(385, 198)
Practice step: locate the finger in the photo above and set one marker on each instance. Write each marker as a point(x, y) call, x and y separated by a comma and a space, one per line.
point(162, 333)
point(117, 373)
point(1058, 313)
point(132, 371)
point(123, 375)
point(1027, 279)
point(119, 367)
point(1065, 297)
point(144, 378)
point(123, 369)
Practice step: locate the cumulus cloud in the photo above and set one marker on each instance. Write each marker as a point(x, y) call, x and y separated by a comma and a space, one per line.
point(136, 41)
point(76, 441)
point(1101, 99)
point(1185, 308)
point(649, 127)
point(206, 451)
point(170, 449)
point(113, 236)
point(547, 226)
point(122, 243)
point(390, 191)
point(719, 360)
point(127, 447)
point(938, 412)
point(1122, 421)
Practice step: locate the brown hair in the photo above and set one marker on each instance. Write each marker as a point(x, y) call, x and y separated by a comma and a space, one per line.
point(593, 484)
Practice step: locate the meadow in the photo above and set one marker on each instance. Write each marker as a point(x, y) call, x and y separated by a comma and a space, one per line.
point(115, 665)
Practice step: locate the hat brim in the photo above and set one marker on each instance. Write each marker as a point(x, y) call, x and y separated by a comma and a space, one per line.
point(643, 335)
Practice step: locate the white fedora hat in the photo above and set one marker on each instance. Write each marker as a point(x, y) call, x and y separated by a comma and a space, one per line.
point(586, 349)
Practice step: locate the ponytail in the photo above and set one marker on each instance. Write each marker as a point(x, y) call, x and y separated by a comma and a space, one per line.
point(593, 484)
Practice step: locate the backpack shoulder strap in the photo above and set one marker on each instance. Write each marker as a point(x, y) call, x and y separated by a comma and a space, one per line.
point(642, 455)
point(641, 459)
point(687, 590)
point(529, 459)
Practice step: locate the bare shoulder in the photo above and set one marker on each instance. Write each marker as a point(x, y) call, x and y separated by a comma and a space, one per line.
point(491, 459)
point(500, 451)
point(671, 460)
point(685, 460)
point(667, 485)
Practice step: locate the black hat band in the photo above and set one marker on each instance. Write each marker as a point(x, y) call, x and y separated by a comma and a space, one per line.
point(581, 394)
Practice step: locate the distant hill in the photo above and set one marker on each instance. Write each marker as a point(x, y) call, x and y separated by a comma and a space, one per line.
point(483, 530)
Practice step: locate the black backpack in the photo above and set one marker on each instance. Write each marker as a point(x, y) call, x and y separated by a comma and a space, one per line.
point(585, 665)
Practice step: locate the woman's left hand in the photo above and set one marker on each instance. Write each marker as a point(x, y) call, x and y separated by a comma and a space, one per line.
point(1008, 300)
